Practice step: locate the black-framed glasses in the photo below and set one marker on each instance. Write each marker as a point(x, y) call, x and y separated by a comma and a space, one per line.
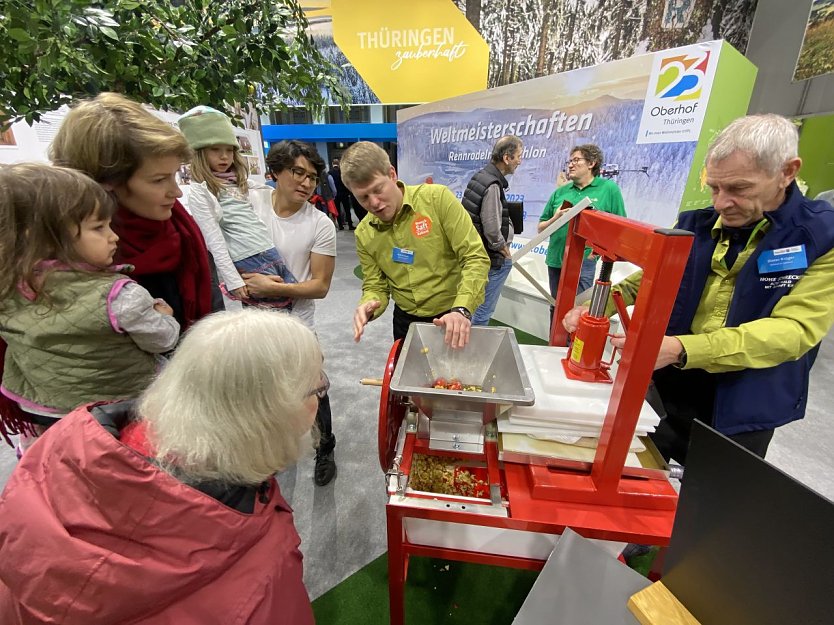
point(299, 175)
point(576, 160)
point(321, 391)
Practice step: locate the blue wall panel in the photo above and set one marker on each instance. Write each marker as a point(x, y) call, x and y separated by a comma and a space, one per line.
point(330, 132)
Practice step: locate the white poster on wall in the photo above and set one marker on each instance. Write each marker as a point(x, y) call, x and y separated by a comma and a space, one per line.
point(25, 143)
point(678, 93)
point(252, 151)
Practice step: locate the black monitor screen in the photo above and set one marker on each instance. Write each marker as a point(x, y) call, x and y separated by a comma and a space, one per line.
point(750, 545)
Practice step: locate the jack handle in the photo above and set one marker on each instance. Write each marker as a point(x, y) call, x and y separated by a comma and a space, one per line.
point(625, 320)
point(619, 302)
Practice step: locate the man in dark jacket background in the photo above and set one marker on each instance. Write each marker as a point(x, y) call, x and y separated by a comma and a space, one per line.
point(486, 203)
point(344, 199)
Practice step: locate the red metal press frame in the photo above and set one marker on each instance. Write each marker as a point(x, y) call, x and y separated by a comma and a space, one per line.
point(661, 253)
point(527, 513)
point(604, 503)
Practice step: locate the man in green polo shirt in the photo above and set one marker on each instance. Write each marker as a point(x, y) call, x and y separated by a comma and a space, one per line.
point(583, 180)
point(417, 245)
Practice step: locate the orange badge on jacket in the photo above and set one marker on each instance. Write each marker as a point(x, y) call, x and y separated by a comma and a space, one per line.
point(421, 226)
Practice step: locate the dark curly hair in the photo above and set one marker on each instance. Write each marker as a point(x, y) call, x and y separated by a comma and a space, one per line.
point(591, 153)
point(282, 156)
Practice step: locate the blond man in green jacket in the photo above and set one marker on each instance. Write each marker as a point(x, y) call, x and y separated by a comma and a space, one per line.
point(417, 245)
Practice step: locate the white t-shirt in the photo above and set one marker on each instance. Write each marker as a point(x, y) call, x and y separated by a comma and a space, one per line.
point(307, 232)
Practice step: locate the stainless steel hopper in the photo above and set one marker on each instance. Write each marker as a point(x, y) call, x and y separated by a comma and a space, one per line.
point(491, 360)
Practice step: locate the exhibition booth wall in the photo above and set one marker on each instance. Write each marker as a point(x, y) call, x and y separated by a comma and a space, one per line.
point(22, 142)
point(653, 115)
point(816, 147)
point(414, 52)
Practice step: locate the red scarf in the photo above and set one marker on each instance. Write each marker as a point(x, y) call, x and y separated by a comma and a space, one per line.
point(12, 418)
point(172, 246)
point(135, 436)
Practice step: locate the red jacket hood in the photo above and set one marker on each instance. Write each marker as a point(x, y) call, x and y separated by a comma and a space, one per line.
point(92, 533)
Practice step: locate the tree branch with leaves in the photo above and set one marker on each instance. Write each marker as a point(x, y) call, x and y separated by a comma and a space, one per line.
point(171, 55)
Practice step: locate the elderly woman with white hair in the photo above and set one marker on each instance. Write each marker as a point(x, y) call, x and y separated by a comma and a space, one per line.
point(166, 510)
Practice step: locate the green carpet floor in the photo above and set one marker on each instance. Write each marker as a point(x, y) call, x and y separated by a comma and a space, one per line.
point(437, 592)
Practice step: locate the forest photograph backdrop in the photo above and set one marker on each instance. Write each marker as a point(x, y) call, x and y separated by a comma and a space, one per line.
point(532, 38)
point(817, 54)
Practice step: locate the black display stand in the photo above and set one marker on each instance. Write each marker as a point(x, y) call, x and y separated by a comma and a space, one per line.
point(750, 545)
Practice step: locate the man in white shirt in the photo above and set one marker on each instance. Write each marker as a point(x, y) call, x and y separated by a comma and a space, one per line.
point(306, 239)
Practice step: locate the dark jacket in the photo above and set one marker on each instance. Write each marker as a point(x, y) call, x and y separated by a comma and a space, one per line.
point(472, 200)
point(756, 399)
point(341, 189)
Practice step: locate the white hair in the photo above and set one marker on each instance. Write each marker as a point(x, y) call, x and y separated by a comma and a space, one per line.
point(770, 140)
point(232, 403)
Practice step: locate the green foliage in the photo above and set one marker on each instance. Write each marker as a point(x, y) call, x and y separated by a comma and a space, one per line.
point(171, 57)
point(817, 54)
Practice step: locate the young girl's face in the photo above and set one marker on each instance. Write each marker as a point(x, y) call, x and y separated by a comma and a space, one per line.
point(152, 189)
point(96, 242)
point(220, 157)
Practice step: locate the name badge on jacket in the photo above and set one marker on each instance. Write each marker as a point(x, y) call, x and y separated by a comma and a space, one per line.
point(400, 255)
point(783, 259)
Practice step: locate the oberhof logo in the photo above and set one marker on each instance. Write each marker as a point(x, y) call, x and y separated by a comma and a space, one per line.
point(681, 77)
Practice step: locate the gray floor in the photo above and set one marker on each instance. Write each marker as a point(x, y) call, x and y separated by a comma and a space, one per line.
point(342, 525)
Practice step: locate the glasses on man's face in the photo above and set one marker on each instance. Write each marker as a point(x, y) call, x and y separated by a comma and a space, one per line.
point(299, 175)
point(575, 161)
point(321, 391)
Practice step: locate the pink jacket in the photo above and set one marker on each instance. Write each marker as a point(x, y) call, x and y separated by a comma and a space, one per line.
point(93, 534)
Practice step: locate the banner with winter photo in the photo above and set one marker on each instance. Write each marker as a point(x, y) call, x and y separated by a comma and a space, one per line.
point(524, 39)
point(532, 38)
point(652, 115)
point(646, 113)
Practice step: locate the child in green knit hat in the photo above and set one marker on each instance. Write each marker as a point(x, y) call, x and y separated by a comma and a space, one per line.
point(220, 203)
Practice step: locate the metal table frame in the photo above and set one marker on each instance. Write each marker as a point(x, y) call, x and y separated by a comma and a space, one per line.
point(605, 502)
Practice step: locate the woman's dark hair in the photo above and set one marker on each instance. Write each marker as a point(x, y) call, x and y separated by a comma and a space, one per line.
point(282, 156)
point(507, 145)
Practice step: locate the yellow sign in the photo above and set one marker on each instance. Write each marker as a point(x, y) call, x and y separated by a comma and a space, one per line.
point(411, 51)
point(576, 350)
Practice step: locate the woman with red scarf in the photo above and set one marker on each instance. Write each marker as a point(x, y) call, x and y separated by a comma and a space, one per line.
point(136, 156)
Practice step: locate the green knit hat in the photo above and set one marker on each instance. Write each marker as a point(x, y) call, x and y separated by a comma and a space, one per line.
point(204, 126)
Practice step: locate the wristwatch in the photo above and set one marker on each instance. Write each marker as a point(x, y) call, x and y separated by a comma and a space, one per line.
point(463, 311)
point(681, 363)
